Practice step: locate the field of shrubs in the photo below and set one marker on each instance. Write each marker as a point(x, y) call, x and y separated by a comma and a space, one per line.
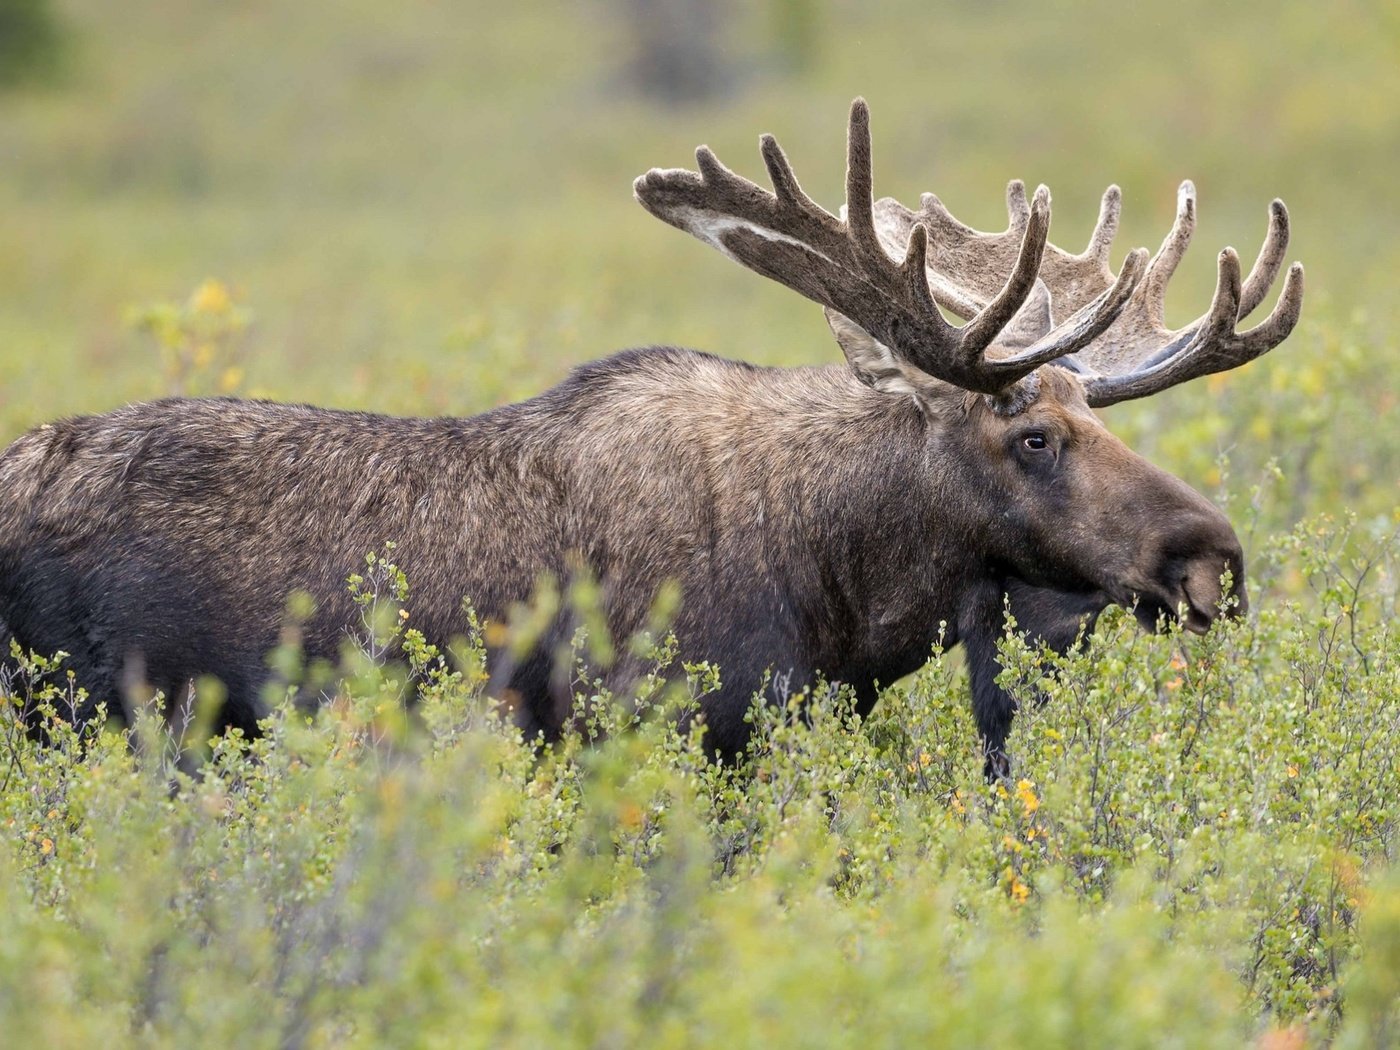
point(1195, 849)
point(1197, 845)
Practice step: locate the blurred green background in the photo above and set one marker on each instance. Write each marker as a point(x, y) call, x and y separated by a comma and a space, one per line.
point(427, 207)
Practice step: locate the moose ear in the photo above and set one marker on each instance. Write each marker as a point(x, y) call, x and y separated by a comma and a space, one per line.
point(873, 362)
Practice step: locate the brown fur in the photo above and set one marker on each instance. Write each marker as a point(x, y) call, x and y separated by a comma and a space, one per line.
point(816, 525)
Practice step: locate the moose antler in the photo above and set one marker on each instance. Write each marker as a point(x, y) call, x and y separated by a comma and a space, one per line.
point(965, 265)
point(1027, 302)
point(1137, 354)
point(846, 265)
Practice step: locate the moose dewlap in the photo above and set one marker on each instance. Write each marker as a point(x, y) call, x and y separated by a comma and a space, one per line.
point(820, 521)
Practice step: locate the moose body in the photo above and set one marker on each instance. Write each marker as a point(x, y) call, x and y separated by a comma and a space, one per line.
point(815, 525)
point(829, 522)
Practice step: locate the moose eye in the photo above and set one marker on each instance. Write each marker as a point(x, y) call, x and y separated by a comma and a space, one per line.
point(1035, 441)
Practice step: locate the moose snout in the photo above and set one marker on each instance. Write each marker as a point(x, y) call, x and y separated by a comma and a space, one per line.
point(1196, 575)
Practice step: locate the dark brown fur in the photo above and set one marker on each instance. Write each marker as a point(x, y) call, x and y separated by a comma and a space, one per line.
point(815, 524)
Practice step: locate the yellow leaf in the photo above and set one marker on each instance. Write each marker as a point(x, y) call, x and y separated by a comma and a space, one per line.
point(1025, 791)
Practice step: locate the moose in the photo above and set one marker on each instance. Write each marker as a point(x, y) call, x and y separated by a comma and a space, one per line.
point(825, 522)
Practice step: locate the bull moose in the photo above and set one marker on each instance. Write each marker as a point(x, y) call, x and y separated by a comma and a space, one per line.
point(822, 521)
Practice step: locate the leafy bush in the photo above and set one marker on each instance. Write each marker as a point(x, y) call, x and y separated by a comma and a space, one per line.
point(1195, 850)
point(200, 342)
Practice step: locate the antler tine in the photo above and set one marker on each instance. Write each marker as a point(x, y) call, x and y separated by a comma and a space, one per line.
point(1106, 228)
point(712, 170)
point(781, 175)
point(1018, 209)
point(860, 198)
point(1225, 304)
point(1269, 262)
point(914, 272)
point(1281, 321)
point(978, 334)
point(846, 266)
point(1168, 256)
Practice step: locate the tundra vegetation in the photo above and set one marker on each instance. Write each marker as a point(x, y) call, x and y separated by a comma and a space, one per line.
point(1197, 845)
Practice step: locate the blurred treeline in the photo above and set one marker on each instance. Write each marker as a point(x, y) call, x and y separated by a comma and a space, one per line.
point(30, 41)
point(427, 207)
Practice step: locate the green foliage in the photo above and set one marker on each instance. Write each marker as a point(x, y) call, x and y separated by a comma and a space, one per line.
point(30, 41)
point(1195, 850)
point(200, 342)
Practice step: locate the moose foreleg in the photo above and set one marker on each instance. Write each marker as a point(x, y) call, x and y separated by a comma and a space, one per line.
point(1058, 620)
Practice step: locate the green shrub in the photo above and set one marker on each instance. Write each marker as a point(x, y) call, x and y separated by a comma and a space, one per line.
point(1195, 850)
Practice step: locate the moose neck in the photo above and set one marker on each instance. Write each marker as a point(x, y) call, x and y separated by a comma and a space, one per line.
point(879, 530)
point(800, 510)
